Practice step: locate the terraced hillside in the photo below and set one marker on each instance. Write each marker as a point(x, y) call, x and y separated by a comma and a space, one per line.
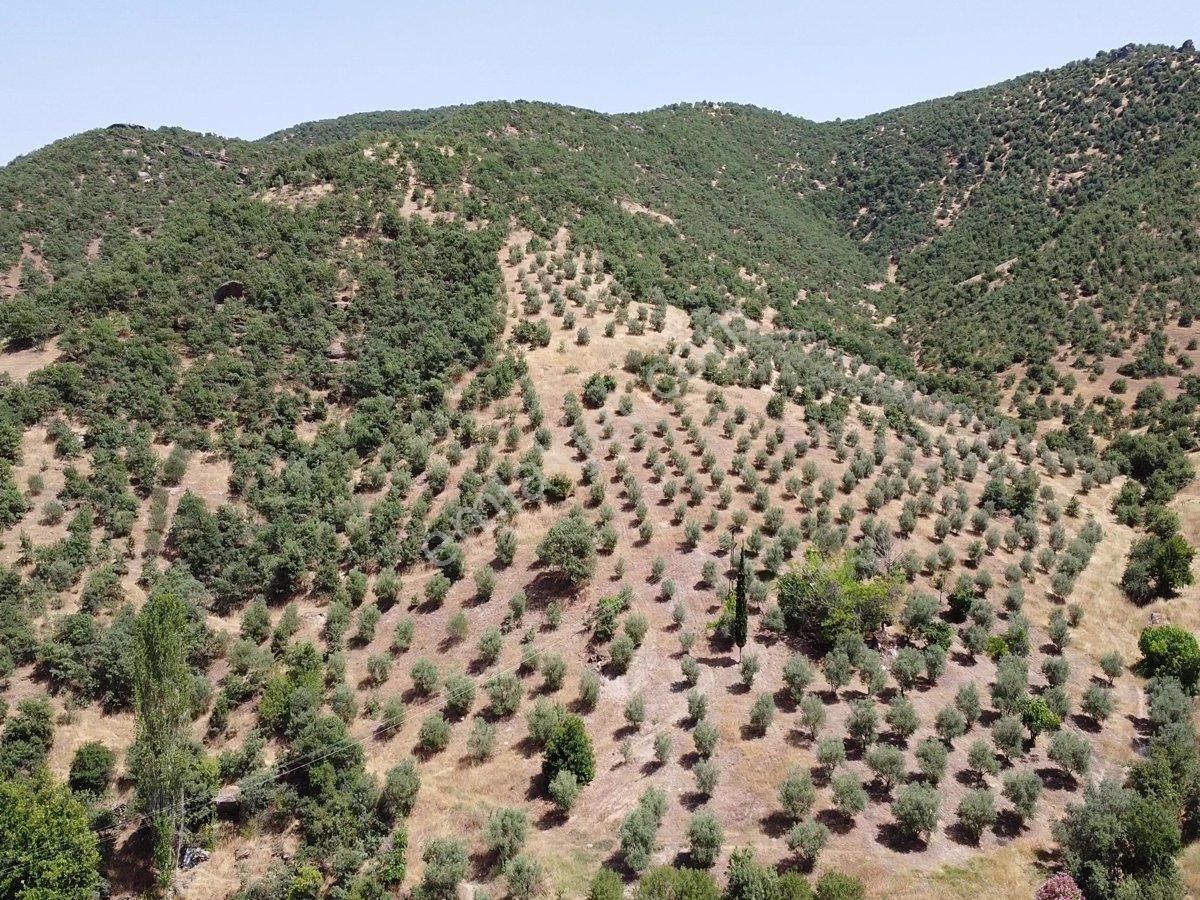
point(516, 498)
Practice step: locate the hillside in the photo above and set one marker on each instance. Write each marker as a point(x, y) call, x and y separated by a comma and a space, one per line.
point(410, 447)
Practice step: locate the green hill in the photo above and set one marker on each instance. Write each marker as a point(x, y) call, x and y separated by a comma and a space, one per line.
point(512, 393)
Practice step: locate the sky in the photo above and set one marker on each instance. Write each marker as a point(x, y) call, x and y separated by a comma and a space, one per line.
point(251, 67)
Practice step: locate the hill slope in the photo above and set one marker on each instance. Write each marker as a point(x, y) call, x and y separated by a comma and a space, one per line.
point(419, 416)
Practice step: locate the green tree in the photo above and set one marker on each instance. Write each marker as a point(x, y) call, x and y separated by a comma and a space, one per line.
point(506, 832)
point(916, 810)
point(47, 848)
point(705, 837)
point(1022, 790)
point(1117, 836)
point(977, 813)
point(92, 768)
point(159, 757)
point(1168, 650)
point(606, 885)
point(570, 749)
point(446, 863)
point(569, 548)
point(741, 607)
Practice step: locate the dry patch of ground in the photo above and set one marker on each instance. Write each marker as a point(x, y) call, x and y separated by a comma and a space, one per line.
point(20, 364)
point(638, 209)
point(296, 196)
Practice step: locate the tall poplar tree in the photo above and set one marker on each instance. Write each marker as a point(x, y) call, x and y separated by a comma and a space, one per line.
point(162, 695)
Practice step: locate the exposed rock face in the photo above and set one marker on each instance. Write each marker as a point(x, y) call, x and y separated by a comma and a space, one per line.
point(229, 289)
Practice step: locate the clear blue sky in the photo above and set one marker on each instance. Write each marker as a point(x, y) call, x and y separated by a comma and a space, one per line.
point(248, 68)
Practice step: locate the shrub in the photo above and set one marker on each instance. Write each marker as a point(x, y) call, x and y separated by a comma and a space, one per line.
point(505, 834)
point(836, 886)
point(916, 810)
point(570, 749)
point(434, 733)
point(762, 713)
point(977, 813)
point(1059, 887)
point(47, 848)
point(564, 790)
point(705, 837)
point(807, 839)
point(1117, 836)
point(446, 863)
point(504, 694)
point(670, 883)
point(400, 788)
point(91, 769)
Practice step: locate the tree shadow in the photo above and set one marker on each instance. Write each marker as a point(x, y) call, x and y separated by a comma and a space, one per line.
point(797, 738)
point(968, 778)
point(960, 835)
point(1056, 779)
point(776, 823)
point(692, 800)
point(537, 786)
point(1008, 824)
point(1140, 724)
point(890, 835)
point(838, 822)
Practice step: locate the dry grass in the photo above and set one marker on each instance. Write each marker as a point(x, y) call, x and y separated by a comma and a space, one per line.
point(457, 795)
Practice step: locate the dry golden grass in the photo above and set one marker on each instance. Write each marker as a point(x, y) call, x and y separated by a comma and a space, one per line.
point(457, 795)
